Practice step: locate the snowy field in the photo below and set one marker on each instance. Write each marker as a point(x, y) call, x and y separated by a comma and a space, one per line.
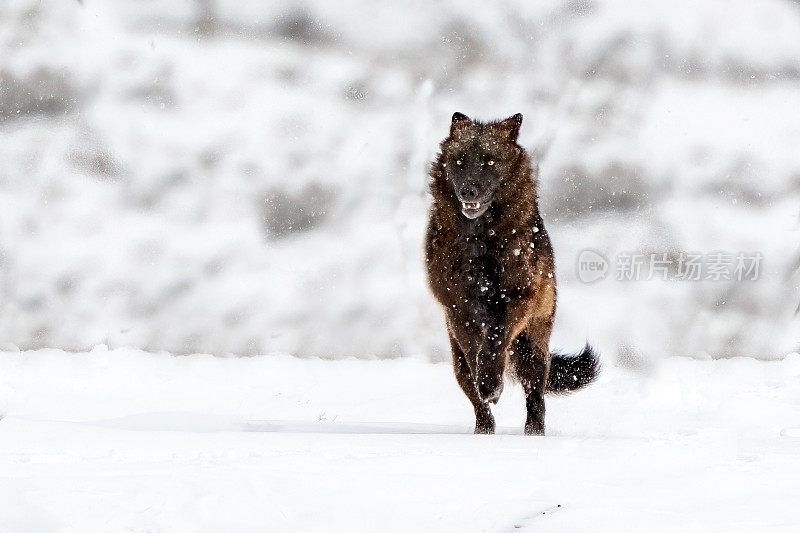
point(245, 178)
point(124, 440)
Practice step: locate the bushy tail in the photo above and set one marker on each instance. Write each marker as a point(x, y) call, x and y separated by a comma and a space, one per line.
point(571, 372)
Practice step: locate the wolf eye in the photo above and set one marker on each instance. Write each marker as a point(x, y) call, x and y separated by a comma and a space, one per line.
point(490, 162)
point(458, 161)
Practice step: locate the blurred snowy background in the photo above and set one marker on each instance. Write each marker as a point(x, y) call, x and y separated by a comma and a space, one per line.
point(250, 177)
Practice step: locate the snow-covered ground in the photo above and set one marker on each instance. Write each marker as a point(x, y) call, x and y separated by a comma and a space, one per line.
point(125, 440)
point(246, 178)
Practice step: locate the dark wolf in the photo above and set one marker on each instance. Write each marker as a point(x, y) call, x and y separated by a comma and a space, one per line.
point(490, 266)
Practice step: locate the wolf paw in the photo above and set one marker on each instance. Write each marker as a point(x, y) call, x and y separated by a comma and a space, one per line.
point(484, 424)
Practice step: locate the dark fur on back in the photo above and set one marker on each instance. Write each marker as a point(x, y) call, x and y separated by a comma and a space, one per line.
point(490, 265)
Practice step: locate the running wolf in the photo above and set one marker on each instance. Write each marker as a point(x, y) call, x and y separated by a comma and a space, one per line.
point(490, 266)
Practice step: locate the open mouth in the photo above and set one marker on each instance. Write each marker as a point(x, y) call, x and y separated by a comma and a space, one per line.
point(473, 210)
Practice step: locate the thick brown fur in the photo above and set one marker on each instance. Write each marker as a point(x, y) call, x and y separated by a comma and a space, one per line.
point(490, 266)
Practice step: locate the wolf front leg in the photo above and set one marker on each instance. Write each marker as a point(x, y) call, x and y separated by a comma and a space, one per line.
point(503, 324)
point(484, 421)
point(524, 340)
point(531, 365)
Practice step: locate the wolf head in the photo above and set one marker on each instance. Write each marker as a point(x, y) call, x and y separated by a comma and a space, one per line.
point(476, 157)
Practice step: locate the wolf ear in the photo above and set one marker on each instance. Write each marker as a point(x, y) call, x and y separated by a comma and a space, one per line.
point(511, 126)
point(459, 122)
